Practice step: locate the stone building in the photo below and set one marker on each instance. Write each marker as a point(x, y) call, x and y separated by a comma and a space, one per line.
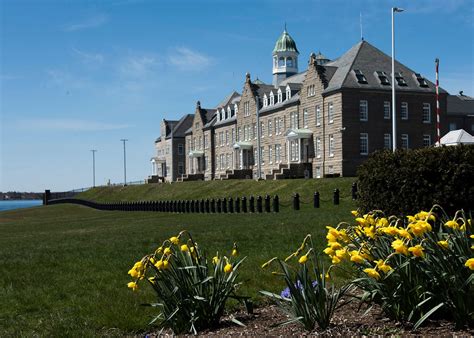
point(322, 122)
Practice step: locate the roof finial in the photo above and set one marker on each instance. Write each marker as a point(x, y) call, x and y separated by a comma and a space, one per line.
point(247, 77)
point(198, 104)
point(285, 26)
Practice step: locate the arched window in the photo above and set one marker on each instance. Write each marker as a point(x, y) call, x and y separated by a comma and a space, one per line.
point(281, 62)
point(272, 98)
point(289, 61)
point(229, 112)
point(223, 114)
point(280, 96)
point(236, 108)
point(265, 100)
point(288, 92)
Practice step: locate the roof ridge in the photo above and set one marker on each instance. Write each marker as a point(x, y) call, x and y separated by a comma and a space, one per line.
point(353, 60)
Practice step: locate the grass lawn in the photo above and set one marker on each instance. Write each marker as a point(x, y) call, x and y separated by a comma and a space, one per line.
point(64, 267)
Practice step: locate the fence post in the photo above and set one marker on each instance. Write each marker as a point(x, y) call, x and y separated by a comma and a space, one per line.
point(237, 205)
point(336, 197)
point(267, 203)
point(296, 201)
point(259, 204)
point(276, 204)
point(224, 205)
point(251, 204)
point(316, 199)
point(47, 196)
point(192, 206)
point(231, 205)
point(354, 191)
point(213, 206)
point(197, 206)
point(219, 205)
point(201, 206)
point(244, 204)
point(206, 204)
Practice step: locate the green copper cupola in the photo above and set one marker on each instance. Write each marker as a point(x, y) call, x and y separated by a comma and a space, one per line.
point(285, 58)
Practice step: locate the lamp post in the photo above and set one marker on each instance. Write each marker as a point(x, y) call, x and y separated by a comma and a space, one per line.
point(124, 162)
point(394, 120)
point(93, 167)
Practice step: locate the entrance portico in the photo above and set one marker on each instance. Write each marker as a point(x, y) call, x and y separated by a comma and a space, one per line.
point(196, 162)
point(243, 154)
point(297, 142)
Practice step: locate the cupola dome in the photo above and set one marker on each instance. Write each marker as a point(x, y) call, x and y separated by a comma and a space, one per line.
point(285, 43)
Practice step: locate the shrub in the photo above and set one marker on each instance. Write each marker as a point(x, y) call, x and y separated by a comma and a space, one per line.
point(412, 267)
point(401, 182)
point(191, 292)
point(308, 299)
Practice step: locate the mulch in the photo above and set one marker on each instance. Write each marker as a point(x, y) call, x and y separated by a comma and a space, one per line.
point(347, 321)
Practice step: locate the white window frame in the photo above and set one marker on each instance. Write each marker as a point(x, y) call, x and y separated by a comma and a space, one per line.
point(270, 154)
point(363, 110)
point(331, 145)
point(426, 110)
point(387, 141)
point(330, 113)
point(265, 100)
point(262, 129)
point(270, 131)
point(318, 115)
point(280, 95)
point(387, 104)
point(404, 111)
point(318, 147)
point(364, 143)
point(180, 149)
point(406, 139)
point(305, 118)
point(272, 98)
point(426, 137)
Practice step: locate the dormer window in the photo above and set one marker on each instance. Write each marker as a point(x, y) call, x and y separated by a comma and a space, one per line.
point(400, 80)
point(265, 100)
point(383, 78)
point(421, 80)
point(288, 92)
point(360, 76)
point(272, 98)
point(218, 115)
point(229, 112)
point(223, 114)
point(236, 109)
point(280, 96)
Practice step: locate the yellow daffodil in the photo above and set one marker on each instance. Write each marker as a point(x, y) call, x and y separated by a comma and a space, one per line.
point(417, 251)
point(370, 232)
point(167, 251)
point(329, 251)
point(382, 266)
point(235, 252)
point(356, 257)
point(228, 268)
point(166, 265)
point(452, 224)
point(303, 259)
point(133, 273)
point(404, 233)
point(133, 286)
point(336, 260)
point(372, 273)
point(393, 231)
point(355, 213)
point(184, 248)
point(159, 264)
point(361, 221)
point(335, 245)
point(443, 244)
point(399, 247)
point(174, 240)
point(470, 263)
point(382, 222)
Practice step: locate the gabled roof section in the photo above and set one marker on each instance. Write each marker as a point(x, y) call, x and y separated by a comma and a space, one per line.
point(358, 68)
point(229, 99)
point(460, 105)
point(183, 125)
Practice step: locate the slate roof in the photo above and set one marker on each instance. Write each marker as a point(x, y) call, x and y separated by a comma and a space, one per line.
point(229, 99)
point(183, 124)
point(460, 105)
point(297, 78)
point(368, 59)
point(293, 99)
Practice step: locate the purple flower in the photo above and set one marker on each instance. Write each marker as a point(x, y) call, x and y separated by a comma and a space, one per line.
point(286, 292)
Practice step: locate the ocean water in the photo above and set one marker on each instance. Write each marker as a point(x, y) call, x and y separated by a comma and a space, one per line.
point(18, 204)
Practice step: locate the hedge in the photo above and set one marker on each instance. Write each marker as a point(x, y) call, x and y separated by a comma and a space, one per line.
point(409, 180)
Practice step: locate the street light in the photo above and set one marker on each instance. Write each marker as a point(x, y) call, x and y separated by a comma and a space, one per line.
point(394, 121)
point(124, 162)
point(93, 167)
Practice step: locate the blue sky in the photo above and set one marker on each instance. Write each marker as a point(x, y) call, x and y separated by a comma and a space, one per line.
point(81, 75)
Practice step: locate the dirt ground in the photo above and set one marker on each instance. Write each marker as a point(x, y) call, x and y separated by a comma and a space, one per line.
point(347, 321)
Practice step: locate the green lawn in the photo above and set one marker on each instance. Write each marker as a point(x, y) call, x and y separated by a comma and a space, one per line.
point(64, 267)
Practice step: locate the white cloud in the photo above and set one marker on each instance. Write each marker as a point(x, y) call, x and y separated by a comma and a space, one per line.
point(139, 66)
point(87, 23)
point(186, 59)
point(95, 58)
point(52, 124)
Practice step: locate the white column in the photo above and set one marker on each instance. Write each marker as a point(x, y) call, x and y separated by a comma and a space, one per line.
point(241, 158)
point(299, 150)
point(288, 151)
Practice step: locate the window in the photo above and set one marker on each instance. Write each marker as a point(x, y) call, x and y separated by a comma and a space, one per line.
point(246, 109)
point(227, 161)
point(318, 147)
point(255, 131)
point(289, 61)
point(400, 80)
point(330, 112)
point(180, 149)
point(404, 111)
point(305, 118)
point(277, 153)
point(363, 110)
point(360, 76)
point(262, 153)
point(294, 120)
point(387, 141)
point(227, 137)
point(405, 141)
point(233, 136)
point(288, 93)
point(311, 90)
point(426, 113)
point(452, 126)
point(180, 168)
point(426, 140)
point(270, 154)
point(364, 144)
point(270, 127)
point(331, 145)
point(196, 125)
point(318, 116)
point(421, 80)
point(330, 169)
point(262, 129)
point(265, 100)
point(383, 78)
point(318, 172)
point(280, 96)
point(236, 108)
point(272, 99)
point(386, 110)
point(281, 62)
point(294, 150)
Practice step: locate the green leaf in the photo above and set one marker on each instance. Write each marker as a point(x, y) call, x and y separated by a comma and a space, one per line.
point(234, 320)
point(429, 313)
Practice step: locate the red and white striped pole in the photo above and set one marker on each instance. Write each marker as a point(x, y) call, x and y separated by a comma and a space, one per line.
point(437, 103)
